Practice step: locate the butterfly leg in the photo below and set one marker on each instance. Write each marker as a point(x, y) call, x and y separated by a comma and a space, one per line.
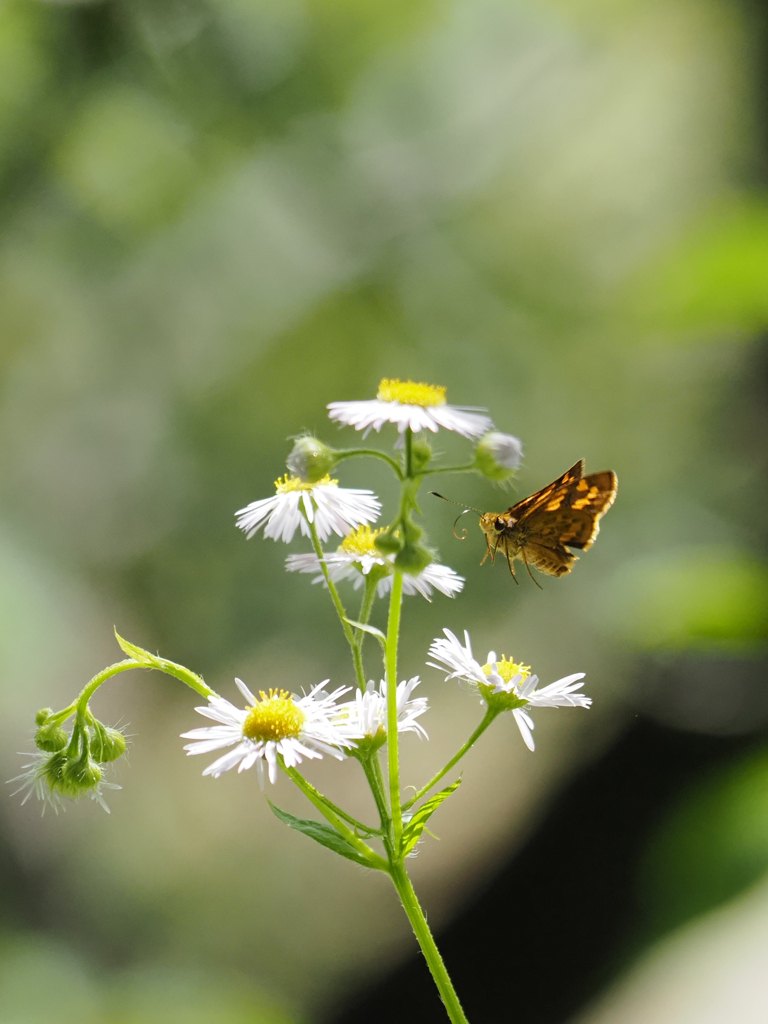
point(529, 571)
point(512, 569)
point(489, 551)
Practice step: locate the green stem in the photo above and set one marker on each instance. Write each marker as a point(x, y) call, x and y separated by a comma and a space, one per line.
point(487, 719)
point(320, 802)
point(424, 937)
point(450, 469)
point(372, 769)
point(353, 453)
point(340, 611)
point(393, 763)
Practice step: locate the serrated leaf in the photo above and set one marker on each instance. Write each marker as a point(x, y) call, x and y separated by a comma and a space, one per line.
point(137, 653)
point(368, 629)
point(414, 828)
point(323, 834)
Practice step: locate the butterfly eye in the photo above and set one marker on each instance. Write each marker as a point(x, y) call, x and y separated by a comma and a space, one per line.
point(500, 524)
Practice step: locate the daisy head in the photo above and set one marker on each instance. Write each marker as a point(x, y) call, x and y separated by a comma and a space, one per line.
point(504, 684)
point(411, 405)
point(366, 715)
point(297, 503)
point(275, 725)
point(357, 556)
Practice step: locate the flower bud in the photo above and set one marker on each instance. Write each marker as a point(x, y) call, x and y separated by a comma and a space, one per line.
point(413, 558)
point(43, 715)
point(51, 737)
point(498, 455)
point(79, 776)
point(310, 459)
point(421, 454)
point(107, 744)
point(389, 542)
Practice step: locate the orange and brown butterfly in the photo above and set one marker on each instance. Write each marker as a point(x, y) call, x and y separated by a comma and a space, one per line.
point(540, 529)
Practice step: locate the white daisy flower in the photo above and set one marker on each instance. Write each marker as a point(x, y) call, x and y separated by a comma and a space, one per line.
point(503, 683)
point(408, 404)
point(277, 723)
point(358, 554)
point(39, 779)
point(297, 503)
point(366, 715)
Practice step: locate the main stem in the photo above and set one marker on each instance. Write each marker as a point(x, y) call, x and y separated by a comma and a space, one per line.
point(416, 916)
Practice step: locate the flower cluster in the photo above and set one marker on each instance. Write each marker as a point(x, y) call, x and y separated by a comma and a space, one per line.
point(69, 764)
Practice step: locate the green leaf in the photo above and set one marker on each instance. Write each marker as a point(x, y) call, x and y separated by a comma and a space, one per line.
point(138, 653)
point(368, 629)
point(323, 834)
point(414, 828)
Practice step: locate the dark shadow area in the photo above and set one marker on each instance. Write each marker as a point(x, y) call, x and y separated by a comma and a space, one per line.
point(561, 917)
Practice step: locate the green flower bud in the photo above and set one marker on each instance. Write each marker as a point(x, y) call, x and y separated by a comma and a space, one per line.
point(106, 744)
point(421, 454)
point(498, 455)
point(51, 737)
point(53, 768)
point(310, 459)
point(79, 776)
point(389, 542)
point(413, 558)
point(43, 715)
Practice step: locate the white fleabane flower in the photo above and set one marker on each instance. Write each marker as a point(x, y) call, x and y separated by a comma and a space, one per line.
point(298, 503)
point(275, 724)
point(358, 554)
point(408, 404)
point(366, 715)
point(505, 685)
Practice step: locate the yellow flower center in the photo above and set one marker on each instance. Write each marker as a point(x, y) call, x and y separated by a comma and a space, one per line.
point(509, 669)
point(408, 392)
point(274, 717)
point(295, 483)
point(361, 542)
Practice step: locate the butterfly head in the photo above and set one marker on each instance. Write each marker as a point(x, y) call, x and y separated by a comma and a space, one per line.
point(493, 525)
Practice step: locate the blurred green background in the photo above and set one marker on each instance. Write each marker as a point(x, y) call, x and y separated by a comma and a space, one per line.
point(219, 215)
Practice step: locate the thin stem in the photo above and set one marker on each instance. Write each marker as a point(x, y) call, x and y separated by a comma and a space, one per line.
point(409, 453)
point(487, 719)
point(340, 611)
point(371, 582)
point(393, 762)
point(353, 453)
point(309, 791)
point(450, 469)
point(307, 786)
point(372, 770)
point(429, 948)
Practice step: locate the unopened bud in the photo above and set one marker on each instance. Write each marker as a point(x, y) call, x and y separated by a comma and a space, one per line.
point(421, 454)
point(389, 542)
point(498, 455)
point(51, 737)
point(413, 558)
point(79, 776)
point(310, 459)
point(107, 744)
point(43, 715)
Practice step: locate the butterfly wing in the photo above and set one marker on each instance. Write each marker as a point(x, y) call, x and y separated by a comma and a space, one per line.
point(565, 514)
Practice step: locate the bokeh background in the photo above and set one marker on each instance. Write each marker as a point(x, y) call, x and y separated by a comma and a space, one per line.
point(216, 217)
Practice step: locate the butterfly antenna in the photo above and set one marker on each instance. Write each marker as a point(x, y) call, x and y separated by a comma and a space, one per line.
point(463, 535)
